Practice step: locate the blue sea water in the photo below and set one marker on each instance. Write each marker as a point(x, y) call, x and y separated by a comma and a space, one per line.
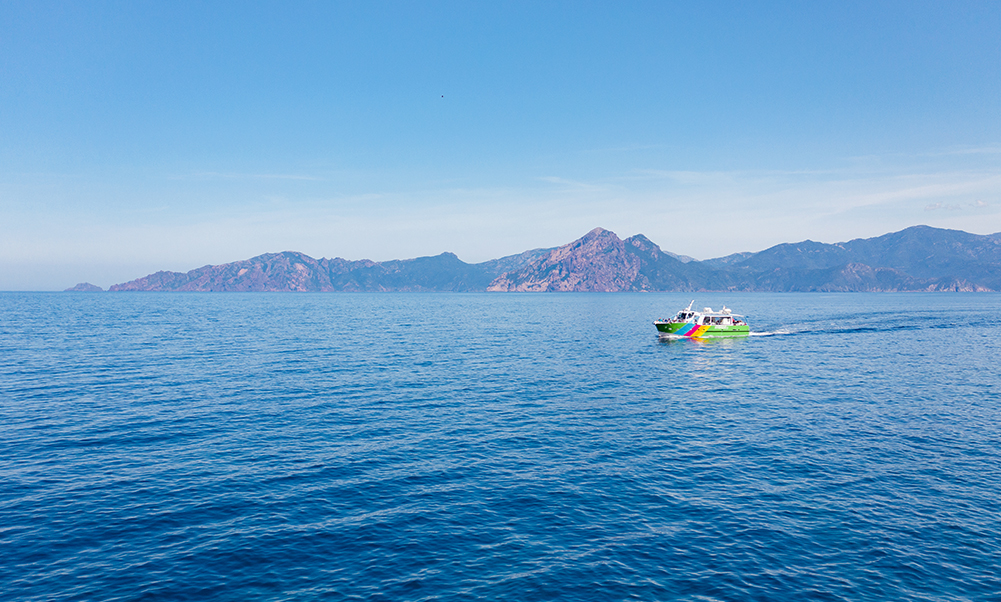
point(498, 446)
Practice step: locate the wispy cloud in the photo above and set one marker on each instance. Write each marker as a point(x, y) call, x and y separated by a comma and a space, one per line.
point(573, 184)
point(898, 158)
point(748, 210)
point(972, 150)
point(957, 206)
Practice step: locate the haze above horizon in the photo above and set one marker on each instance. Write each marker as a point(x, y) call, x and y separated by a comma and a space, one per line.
point(137, 137)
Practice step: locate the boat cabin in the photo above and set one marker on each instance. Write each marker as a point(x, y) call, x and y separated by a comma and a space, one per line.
point(717, 320)
point(708, 317)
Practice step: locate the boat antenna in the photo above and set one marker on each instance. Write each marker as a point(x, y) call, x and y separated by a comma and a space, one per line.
point(689, 308)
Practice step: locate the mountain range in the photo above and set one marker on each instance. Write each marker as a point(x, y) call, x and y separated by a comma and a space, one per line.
point(920, 258)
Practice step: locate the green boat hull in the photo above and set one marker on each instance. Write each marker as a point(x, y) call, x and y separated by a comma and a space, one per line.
point(684, 329)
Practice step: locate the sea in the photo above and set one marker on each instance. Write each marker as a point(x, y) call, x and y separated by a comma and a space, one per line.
point(505, 446)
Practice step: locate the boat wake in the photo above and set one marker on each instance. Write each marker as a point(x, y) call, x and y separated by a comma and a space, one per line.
point(837, 329)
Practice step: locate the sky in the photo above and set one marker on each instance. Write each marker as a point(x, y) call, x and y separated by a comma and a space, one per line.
point(143, 136)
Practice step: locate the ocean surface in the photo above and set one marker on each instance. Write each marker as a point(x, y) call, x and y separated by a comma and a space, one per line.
point(498, 446)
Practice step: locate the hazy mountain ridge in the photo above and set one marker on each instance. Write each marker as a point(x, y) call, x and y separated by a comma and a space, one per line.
point(920, 258)
point(293, 271)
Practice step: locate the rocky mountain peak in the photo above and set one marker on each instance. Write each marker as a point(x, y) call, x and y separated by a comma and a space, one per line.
point(644, 245)
point(598, 261)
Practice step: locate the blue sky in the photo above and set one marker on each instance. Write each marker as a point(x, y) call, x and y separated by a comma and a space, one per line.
point(139, 136)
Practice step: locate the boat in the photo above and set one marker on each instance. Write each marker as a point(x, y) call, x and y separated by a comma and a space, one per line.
point(705, 323)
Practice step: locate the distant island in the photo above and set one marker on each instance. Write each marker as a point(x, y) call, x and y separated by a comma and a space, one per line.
point(84, 287)
point(920, 258)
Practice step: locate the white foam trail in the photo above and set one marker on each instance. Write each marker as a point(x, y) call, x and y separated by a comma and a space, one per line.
point(772, 334)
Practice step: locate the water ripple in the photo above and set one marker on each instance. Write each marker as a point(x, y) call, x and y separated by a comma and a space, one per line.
point(440, 447)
